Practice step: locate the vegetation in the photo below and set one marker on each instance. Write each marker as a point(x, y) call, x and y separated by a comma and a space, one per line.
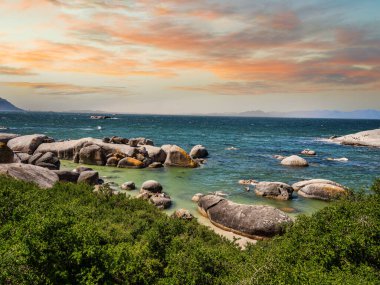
point(69, 235)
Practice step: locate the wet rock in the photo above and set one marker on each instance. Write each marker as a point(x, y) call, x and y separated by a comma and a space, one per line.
point(198, 151)
point(254, 221)
point(294, 160)
point(308, 152)
point(130, 185)
point(369, 138)
point(156, 165)
point(27, 144)
point(43, 177)
point(275, 190)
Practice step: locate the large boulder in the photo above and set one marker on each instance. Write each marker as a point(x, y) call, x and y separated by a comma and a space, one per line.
point(67, 176)
point(48, 160)
point(93, 155)
point(294, 160)
point(43, 177)
point(5, 138)
point(27, 144)
point(152, 186)
point(6, 154)
point(320, 189)
point(89, 177)
point(253, 221)
point(176, 156)
point(198, 151)
point(276, 190)
point(130, 162)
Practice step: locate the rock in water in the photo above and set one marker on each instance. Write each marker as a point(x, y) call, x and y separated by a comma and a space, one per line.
point(130, 185)
point(198, 151)
point(161, 201)
point(27, 144)
point(253, 221)
point(196, 197)
point(176, 156)
point(89, 177)
point(369, 138)
point(276, 190)
point(294, 160)
point(6, 154)
point(320, 189)
point(308, 152)
point(152, 186)
point(93, 155)
point(43, 177)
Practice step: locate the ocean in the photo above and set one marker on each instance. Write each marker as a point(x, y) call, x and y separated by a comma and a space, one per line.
point(240, 148)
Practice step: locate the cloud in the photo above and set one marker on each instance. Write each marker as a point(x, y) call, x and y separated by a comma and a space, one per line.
point(61, 89)
point(6, 70)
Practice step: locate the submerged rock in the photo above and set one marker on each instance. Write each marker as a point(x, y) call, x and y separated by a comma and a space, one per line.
point(308, 152)
point(294, 160)
point(43, 177)
point(253, 221)
point(276, 190)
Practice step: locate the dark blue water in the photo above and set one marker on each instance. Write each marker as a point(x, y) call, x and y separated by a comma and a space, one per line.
point(256, 140)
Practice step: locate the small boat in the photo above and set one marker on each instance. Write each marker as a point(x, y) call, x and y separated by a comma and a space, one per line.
point(2, 128)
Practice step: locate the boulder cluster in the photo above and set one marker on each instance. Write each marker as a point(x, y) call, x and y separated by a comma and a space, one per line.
point(151, 191)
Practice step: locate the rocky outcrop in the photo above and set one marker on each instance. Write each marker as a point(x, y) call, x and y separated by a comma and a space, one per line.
point(6, 154)
point(198, 151)
point(276, 190)
point(252, 221)
point(5, 138)
point(294, 160)
point(176, 156)
point(151, 191)
point(369, 138)
point(92, 155)
point(320, 189)
point(27, 144)
point(43, 177)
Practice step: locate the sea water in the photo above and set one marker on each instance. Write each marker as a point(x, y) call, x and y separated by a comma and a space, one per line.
point(240, 148)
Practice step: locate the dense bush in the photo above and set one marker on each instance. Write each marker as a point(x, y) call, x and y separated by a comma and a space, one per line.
point(69, 235)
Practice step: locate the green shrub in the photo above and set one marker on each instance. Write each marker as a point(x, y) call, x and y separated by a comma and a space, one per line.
point(69, 235)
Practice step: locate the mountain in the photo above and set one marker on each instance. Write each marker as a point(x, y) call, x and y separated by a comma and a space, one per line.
point(7, 106)
point(328, 114)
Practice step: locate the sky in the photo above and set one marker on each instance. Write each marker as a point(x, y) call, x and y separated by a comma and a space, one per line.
point(190, 56)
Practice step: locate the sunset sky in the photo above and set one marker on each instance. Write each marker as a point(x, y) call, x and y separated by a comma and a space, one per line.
point(190, 56)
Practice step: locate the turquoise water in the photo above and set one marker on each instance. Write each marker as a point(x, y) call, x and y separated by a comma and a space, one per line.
point(255, 141)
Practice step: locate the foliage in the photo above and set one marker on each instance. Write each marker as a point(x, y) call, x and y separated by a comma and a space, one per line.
point(70, 235)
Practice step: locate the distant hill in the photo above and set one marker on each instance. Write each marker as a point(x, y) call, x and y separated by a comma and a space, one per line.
point(7, 106)
point(328, 114)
